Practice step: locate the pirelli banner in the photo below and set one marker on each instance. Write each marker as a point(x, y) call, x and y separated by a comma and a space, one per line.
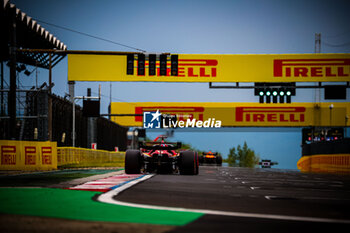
point(214, 68)
point(28, 155)
point(236, 114)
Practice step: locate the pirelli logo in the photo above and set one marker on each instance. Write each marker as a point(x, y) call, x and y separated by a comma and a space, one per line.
point(182, 113)
point(46, 153)
point(197, 68)
point(30, 155)
point(201, 68)
point(270, 114)
point(8, 155)
point(311, 68)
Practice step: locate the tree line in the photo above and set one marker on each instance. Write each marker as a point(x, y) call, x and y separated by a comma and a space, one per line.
point(242, 156)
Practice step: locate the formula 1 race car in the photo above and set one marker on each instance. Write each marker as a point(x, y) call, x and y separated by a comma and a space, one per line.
point(210, 157)
point(161, 157)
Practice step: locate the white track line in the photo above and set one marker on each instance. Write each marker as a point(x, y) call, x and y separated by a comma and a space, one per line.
point(108, 198)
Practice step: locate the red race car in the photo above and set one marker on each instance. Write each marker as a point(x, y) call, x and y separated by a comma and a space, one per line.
point(161, 157)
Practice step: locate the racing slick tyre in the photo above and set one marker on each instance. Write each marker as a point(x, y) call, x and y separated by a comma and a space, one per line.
point(132, 162)
point(188, 163)
point(219, 160)
point(197, 163)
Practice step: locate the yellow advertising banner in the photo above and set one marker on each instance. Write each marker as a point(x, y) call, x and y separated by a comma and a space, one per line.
point(216, 68)
point(239, 114)
point(28, 155)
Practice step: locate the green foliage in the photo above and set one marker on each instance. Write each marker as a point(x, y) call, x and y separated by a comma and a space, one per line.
point(242, 156)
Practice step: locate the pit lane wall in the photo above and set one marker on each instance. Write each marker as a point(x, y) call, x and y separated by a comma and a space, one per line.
point(77, 157)
point(28, 155)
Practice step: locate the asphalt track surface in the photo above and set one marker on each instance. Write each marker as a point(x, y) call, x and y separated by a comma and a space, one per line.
point(298, 202)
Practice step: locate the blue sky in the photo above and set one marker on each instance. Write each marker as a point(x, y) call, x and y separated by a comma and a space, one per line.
point(203, 27)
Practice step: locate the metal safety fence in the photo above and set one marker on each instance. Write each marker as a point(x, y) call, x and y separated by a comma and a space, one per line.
point(75, 157)
point(32, 123)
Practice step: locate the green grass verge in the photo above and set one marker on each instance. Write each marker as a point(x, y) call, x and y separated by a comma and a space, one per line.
point(78, 205)
point(49, 178)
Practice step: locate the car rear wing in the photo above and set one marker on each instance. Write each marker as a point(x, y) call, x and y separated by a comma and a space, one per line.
point(160, 146)
point(207, 153)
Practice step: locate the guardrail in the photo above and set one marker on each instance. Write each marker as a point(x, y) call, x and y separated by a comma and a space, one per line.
point(79, 157)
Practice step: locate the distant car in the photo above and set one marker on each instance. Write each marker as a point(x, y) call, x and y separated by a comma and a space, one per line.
point(161, 157)
point(266, 163)
point(210, 158)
